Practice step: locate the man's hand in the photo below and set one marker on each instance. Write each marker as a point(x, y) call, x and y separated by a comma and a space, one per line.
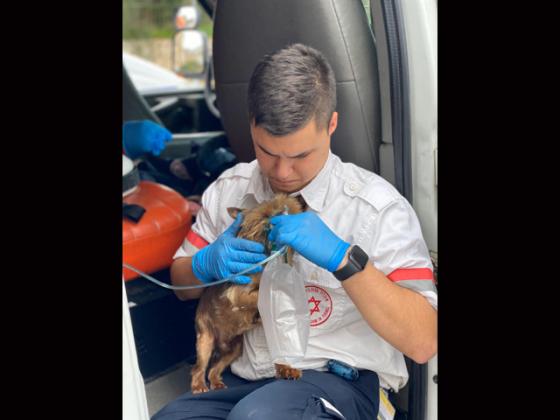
point(307, 234)
point(228, 255)
point(141, 137)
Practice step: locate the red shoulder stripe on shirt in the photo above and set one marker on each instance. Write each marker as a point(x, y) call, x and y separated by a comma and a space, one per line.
point(411, 274)
point(196, 240)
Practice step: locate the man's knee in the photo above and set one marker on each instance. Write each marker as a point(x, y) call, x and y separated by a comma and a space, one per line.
point(258, 409)
point(191, 406)
point(279, 400)
point(274, 401)
point(254, 408)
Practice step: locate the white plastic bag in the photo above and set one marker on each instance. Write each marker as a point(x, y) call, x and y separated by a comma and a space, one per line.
point(284, 312)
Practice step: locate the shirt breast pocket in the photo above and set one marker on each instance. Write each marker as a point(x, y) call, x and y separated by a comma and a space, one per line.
point(325, 297)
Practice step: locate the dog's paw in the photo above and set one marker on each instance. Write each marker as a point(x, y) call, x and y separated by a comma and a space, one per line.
point(199, 389)
point(287, 372)
point(217, 385)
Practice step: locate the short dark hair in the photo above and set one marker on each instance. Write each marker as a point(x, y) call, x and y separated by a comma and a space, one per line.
point(290, 87)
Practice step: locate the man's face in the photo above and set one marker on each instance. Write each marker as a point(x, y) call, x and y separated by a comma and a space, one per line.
point(291, 162)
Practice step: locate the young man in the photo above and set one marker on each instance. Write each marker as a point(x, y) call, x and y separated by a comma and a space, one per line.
point(368, 274)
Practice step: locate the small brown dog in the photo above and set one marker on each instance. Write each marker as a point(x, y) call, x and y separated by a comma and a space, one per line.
point(227, 310)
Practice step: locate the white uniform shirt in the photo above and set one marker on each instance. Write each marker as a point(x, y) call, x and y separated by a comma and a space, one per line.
point(362, 209)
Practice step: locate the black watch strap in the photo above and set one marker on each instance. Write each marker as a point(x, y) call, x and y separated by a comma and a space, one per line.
point(357, 260)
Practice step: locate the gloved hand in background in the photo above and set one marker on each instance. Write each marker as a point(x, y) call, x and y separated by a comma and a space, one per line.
point(228, 255)
point(308, 235)
point(141, 137)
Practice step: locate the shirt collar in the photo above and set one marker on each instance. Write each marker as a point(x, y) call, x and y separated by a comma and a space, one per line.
point(314, 193)
point(258, 189)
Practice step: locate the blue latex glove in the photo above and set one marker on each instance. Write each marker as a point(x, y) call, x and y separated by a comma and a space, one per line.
point(141, 137)
point(228, 255)
point(307, 234)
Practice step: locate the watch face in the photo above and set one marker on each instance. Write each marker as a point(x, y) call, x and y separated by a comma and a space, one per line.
point(357, 260)
point(359, 256)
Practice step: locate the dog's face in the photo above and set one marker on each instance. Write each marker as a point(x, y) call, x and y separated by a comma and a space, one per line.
point(256, 225)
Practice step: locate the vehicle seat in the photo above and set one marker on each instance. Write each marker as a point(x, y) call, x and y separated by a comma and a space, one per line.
point(246, 30)
point(337, 28)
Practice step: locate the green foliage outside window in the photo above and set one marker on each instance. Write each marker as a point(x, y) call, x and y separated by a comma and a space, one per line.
point(155, 18)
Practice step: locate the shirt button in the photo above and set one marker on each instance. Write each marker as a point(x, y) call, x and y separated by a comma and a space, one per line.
point(314, 276)
point(353, 187)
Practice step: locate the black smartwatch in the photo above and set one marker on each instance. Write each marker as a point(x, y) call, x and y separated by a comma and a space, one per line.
point(357, 260)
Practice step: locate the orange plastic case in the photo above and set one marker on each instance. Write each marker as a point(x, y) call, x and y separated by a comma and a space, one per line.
point(150, 244)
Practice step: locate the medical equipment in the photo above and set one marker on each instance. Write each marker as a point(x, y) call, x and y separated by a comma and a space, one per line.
point(275, 254)
point(343, 370)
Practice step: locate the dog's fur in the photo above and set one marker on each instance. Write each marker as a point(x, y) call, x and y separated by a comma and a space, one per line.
point(227, 310)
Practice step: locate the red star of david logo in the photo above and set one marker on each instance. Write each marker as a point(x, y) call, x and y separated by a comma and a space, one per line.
point(316, 303)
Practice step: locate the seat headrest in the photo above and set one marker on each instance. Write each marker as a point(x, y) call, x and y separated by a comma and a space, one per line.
point(246, 30)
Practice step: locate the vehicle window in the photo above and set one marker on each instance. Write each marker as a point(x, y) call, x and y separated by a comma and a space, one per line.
point(149, 35)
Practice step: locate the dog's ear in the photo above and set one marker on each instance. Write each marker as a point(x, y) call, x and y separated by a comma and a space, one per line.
point(234, 211)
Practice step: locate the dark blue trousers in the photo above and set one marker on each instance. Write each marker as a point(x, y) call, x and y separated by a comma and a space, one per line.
point(280, 399)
